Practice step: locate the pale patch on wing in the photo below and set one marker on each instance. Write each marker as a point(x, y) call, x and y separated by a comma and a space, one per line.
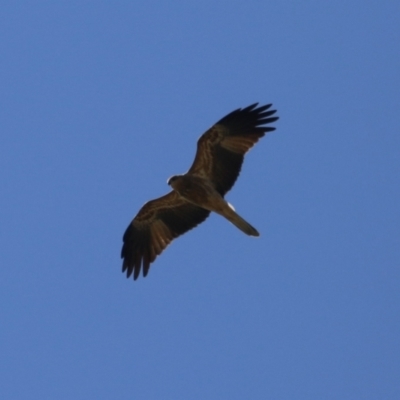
point(161, 238)
point(148, 212)
point(204, 160)
point(239, 144)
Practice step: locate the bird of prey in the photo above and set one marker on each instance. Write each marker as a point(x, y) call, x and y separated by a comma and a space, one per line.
point(217, 164)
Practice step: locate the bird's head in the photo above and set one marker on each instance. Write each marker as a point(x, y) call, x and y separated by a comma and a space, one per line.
point(171, 181)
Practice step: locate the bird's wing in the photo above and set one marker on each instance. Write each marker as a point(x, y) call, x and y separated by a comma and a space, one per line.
point(221, 150)
point(157, 223)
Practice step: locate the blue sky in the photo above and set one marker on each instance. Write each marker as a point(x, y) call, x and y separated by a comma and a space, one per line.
point(101, 102)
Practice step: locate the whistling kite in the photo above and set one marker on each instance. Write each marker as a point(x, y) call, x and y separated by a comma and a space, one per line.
point(219, 157)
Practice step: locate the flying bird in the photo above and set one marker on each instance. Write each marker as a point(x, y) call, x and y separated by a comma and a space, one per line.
point(217, 164)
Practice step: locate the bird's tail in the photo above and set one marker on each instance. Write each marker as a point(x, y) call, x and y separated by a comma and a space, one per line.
point(240, 223)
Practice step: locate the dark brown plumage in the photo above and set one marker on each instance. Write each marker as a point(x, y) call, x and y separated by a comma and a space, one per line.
point(217, 164)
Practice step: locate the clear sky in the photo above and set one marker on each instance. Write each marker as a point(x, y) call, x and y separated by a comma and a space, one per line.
point(101, 102)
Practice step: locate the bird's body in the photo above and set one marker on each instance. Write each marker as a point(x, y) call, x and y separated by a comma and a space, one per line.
point(200, 192)
point(219, 157)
